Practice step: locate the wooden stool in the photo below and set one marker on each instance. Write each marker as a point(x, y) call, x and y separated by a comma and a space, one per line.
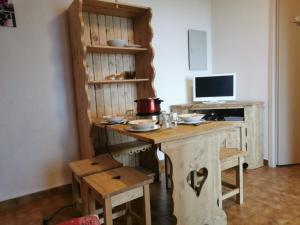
point(116, 187)
point(87, 167)
point(230, 158)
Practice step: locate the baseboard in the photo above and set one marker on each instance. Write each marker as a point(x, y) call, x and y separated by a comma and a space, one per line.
point(12, 203)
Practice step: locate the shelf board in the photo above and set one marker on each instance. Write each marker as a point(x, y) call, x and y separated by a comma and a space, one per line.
point(109, 8)
point(111, 49)
point(92, 82)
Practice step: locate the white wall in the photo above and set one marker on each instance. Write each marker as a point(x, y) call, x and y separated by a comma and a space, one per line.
point(37, 120)
point(240, 37)
point(171, 21)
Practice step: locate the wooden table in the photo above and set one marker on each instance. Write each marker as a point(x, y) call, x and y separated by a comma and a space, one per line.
point(192, 150)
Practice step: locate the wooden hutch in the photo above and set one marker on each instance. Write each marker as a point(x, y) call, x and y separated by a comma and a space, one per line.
point(91, 24)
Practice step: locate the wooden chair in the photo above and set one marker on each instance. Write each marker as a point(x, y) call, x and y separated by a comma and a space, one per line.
point(117, 187)
point(87, 167)
point(232, 158)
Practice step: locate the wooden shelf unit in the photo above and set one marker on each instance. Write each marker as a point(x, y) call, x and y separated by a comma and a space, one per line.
point(95, 82)
point(116, 50)
point(92, 23)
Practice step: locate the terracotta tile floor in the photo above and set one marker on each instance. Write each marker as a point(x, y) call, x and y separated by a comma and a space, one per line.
point(272, 197)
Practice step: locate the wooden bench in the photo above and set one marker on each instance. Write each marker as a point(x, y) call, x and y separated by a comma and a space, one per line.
point(117, 187)
point(232, 158)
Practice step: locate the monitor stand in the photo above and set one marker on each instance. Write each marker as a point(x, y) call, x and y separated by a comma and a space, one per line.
point(214, 102)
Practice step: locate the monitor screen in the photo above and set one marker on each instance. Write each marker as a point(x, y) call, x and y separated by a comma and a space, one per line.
point(214, 88)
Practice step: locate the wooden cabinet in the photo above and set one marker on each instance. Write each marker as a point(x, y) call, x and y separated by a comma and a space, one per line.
point(250, 115)
point(91, 24)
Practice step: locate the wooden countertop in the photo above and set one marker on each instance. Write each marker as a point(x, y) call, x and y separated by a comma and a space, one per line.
point(217, 105)
point(170, 134)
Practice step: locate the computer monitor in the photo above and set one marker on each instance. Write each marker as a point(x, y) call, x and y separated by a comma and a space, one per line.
point(213, 88)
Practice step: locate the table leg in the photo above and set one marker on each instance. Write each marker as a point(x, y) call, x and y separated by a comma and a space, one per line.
point(197, 156)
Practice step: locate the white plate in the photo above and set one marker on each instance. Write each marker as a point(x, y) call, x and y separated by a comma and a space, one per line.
point(192, 122)
point(155, 127)
point(142, 124)
point(191, 117)
point(114, 119)
point(111, 122)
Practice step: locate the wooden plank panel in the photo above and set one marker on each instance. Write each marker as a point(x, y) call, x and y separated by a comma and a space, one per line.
point(95, 41)
point(92, 98)
point(112, 70)
point(99, 93)
point(133, 87)
point(76, 27)
point(104, 72)
point(102, 30)
point(127, 34)
point(127, 87)
point(131, 58)
point(99, 89)
point(91, 89)
point(87, 34)
point(130, 31)
point(120, 69)
point(119, 64)
point(131, 91)
point(94, 30)
point(89, 65)
point(131, 62)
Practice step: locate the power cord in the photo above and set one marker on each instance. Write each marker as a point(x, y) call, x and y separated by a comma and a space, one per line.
point(47, 220)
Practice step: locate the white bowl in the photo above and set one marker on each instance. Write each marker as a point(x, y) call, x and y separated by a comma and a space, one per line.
point(116, 43)
point(191, 117)
point(114, 119)
point(142, 124)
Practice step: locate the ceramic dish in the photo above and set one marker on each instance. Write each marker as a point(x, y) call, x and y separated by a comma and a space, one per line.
point(191, 117)
point(114, 119)
point(153, 128)
point(193, 122)
point(142, 124)
point(116, 43)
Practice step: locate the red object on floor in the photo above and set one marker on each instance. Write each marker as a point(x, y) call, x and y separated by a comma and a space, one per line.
point(85, 220)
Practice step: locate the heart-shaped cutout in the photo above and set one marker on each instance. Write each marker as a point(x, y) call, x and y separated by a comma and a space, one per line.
point(196, 179)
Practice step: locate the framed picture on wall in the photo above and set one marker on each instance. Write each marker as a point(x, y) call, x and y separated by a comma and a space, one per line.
point(197, 50)
point(7, 14)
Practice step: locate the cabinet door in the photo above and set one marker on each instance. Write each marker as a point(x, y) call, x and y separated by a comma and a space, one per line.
point(288, 92)
point(235, 138)
point(254, 133)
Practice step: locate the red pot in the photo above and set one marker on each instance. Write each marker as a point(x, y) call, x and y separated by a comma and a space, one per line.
point(146, 106)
